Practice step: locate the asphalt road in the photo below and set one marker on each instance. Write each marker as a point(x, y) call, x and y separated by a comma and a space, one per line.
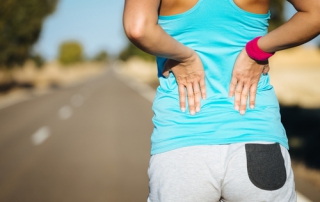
point(86, 143)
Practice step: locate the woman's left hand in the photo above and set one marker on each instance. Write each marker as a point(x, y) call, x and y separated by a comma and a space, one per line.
point(244, 82)
point(190, 76)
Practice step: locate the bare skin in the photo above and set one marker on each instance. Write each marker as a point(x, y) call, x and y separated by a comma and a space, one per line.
point(140, 23)
point(169, 7)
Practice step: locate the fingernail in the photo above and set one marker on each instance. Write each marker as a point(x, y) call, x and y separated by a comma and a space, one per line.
point(183, 109)
point(242, 112)
point(251, 106)
point(236, 108)
point(197, 109)
point(192, 112)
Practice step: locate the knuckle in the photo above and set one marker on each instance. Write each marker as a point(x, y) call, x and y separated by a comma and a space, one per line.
point(244, 96)
point(190, 79)
point(238, 74)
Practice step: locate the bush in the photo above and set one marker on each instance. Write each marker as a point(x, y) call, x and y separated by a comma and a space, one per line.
point(70, 53)
point(132, 50)
point(38, 60)
point(100, 57)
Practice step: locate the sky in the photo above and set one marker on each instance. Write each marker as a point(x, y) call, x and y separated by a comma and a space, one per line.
point(96, 24)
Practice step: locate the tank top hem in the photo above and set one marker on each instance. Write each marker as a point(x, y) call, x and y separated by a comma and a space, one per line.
point(165, 148)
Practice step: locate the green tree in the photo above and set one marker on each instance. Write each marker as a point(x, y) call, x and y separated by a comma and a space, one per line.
point(70, 52)
point(277, 17)
point(132, 50)
point(102, 56)
point(20, 27)
point(37, 59)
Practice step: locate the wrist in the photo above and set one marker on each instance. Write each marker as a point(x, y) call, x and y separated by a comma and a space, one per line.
point(255, 53)
point(188, 54)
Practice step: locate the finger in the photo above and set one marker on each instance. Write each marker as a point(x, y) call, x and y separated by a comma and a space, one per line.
point(253, 92)
point(243, 99)
point(182, 97)
point(190, 98)
point(232, 87)
point(203, 88)
point(197, 95)
point(237, 96)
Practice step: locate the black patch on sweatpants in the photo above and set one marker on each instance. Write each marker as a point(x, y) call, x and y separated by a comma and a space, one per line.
point(265, 165)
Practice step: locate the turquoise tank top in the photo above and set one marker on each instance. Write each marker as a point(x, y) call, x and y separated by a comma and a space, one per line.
point(217, 30)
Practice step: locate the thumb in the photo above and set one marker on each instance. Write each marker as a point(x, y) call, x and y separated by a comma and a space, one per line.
point(166, 73)
point(166, 69)
point(266, 69)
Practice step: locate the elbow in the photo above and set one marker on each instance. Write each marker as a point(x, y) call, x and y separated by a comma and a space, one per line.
point(136, 30)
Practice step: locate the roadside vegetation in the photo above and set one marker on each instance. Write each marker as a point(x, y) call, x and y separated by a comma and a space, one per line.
point(21, 67)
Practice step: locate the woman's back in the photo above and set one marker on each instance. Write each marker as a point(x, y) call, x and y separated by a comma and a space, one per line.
point(217, 30)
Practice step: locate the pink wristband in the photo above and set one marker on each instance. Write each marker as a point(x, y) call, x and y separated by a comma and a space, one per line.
point(255, 52)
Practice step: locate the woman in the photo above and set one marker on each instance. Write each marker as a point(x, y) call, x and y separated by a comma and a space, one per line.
point(215, 148)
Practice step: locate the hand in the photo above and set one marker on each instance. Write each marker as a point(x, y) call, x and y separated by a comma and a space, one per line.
point(189, 75)
point(245, 77)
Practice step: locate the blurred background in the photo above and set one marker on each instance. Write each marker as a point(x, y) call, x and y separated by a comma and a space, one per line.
point(75, 103)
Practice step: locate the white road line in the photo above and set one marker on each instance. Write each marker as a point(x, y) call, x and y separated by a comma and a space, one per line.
point(301, 198)
point(77, 100)
point(40, 135)
point(65, 112)
point(143, 89)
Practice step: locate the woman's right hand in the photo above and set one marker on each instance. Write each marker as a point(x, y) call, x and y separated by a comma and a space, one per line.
point(189, 75)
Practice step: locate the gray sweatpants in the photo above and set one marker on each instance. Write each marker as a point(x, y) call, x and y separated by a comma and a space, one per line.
point(230, 173)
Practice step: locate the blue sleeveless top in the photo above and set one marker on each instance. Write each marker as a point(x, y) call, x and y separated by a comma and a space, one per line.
point(217, 30)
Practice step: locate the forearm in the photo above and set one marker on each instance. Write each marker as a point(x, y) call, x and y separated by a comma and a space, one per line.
point(301, 28)
point(141, 27)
